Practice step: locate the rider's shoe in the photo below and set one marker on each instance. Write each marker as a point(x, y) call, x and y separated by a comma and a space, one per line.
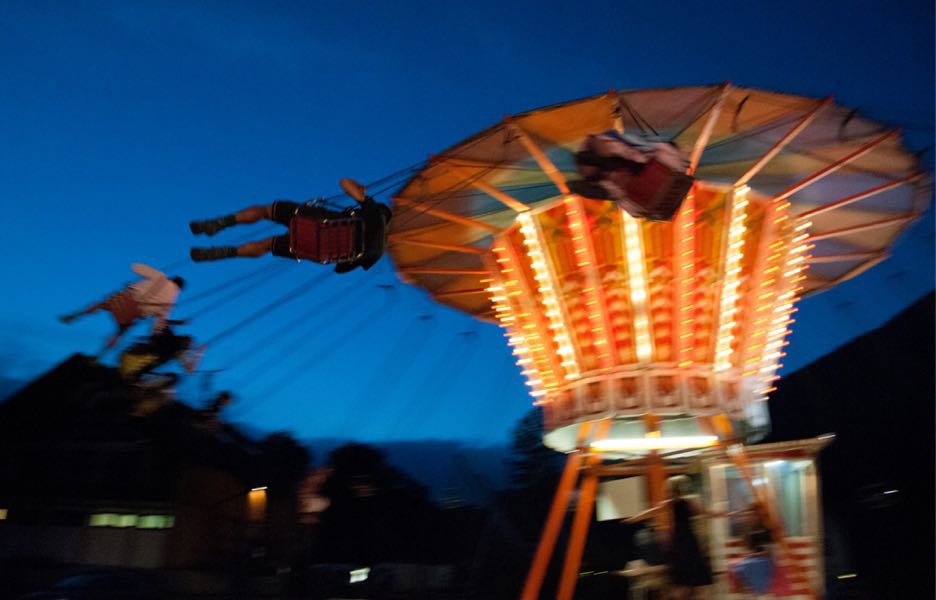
point(217, 253)
point(212, 226)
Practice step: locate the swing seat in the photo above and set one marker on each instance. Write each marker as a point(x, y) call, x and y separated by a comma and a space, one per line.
point(124, 308)
point(326, 241)
point(657, 191)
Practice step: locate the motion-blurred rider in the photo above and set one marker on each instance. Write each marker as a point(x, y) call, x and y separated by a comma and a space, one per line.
point(153, 296)
point(372, 216)
point(161, 348)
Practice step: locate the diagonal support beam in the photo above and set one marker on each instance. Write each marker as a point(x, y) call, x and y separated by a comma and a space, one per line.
point(783, 141)
point(402, 239)
point(459, 162)
point(585, 504)
point(464, 292)
point(862, 268)
point(835, 166)
point(702, 141)
point(446, 230)
point(502, 197)
point(860, 196)
point(499, 195)
point(444, 214)
point(550, 534)
point(862, 227)
point(539, 156)
point(828, 258)
point(826, 284)
point(441, 271)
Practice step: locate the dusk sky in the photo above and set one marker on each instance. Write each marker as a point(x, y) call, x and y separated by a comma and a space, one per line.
point(121, 121)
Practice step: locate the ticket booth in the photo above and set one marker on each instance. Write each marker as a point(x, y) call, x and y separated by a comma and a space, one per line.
point(788, 470)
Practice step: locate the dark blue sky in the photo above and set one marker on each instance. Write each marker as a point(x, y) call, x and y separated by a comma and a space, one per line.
point(121, 121)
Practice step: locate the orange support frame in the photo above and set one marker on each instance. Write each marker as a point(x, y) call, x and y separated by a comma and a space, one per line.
point(586, 500)
point(583, 512)
point(544, 550)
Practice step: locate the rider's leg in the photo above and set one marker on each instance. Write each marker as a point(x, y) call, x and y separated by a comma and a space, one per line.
point(255, 249)
point(87, 311)
point(248, 250)
point(251, 214)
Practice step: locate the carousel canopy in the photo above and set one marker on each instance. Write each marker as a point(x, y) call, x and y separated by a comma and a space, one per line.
point(848, 179)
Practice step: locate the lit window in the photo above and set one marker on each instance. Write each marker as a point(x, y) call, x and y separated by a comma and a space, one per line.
point(359, 575)
point(3, 514)
point(126, 520)
point(155, 522)
point(102, 520)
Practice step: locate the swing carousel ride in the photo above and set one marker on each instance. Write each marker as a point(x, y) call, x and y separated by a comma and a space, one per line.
point(643, 339)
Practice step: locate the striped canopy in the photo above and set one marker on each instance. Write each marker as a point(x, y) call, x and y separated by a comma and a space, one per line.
point(848, 177)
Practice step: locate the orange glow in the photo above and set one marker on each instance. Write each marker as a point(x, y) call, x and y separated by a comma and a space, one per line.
point(731, 281)
point(596, 314)
point(256, 504)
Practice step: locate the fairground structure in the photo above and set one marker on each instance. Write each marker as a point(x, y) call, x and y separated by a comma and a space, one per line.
point(647, 342)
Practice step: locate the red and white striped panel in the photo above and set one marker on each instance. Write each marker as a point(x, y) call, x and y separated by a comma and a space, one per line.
point(800, 565)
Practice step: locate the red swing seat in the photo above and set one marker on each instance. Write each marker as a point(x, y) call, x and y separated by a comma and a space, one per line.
point(658, 191)
point(326, 241)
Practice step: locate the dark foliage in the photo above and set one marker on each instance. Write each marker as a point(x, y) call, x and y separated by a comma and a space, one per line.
point(532, 465)
point(282, 464)
point(377, 513)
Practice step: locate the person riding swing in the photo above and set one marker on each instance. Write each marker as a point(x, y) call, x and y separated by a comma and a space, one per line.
point(159, 349)
point(153, 296)
point(351, 238)
point(645, 176)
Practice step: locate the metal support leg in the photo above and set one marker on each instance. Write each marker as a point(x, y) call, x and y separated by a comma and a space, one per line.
point(583, 513)
point(547, 543)
point(573, 559)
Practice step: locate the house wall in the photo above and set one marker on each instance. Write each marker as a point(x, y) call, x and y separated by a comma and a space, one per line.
point(126, 547)
point(210, 519)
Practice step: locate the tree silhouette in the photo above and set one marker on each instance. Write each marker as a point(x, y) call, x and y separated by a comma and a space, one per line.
point(283, 463)
point(532, 466)
point(376, 513)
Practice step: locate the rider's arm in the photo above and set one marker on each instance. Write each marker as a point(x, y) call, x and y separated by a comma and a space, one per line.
point(648, 513)
point(146, 271)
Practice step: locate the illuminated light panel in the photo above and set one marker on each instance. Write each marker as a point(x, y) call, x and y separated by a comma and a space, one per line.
point(575, 211)
point(654, 443)
point(684, 276)
point(732, 268)
point(515, 340)
point(792, 262)
point(633, 250)
point(538, 364)
point(548, 287)
point(722, 277)
point(763, 295)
